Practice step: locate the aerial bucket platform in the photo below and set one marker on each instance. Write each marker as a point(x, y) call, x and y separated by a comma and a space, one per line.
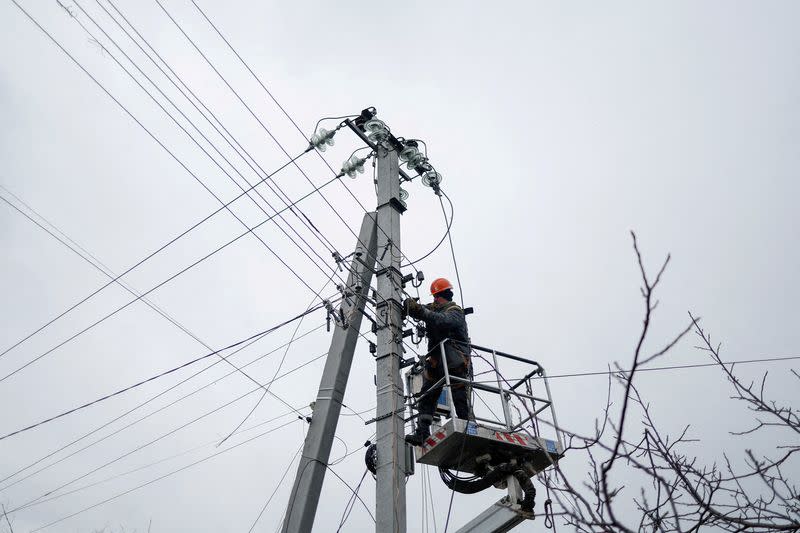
point(458, 444)
point(502, 450)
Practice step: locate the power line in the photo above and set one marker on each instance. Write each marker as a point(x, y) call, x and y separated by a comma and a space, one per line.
point(448, 225)
point(159, 478)
point(328, 466)
point(194, 175)
point(371, 215)
point(652, 369)
point(250, 230)
point(142, 261)
point(241, 100)
point(672, 367)
point(452, 249)
point(224, 158)
point(351, 502)
point(142, 404)
point(294, 123)
point(277, 486)
point(306, 221)
point(248, 107)
point(225, 81)
point(162, 374)
point(94, 265)
point(151, 464)
point(158, 141)
point(72, 245)
point(163, 436)
point(162, 283)
point(280, 365)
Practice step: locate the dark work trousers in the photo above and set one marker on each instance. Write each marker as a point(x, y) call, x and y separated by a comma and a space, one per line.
point(427, 404)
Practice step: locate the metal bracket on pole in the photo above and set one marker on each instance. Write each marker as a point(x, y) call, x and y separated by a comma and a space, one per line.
point(319, 439)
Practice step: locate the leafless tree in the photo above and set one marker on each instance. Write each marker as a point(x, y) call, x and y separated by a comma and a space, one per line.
point(666, 487)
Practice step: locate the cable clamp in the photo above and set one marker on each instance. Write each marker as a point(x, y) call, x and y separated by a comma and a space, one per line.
point(384, 416)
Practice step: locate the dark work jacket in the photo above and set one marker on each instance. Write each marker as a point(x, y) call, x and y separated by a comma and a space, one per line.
point(446, 321)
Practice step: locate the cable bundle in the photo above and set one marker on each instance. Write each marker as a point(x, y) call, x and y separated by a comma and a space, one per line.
point(477, 483)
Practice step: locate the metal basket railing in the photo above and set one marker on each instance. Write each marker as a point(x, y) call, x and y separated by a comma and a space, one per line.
point(518, 392)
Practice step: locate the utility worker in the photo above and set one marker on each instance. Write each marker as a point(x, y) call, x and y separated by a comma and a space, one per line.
point(444, 319)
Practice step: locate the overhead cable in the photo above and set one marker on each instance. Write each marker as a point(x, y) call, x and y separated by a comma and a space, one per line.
point(151, 464)
point(305, 219)
point(195, 463)
point(280, 364)
point(235, 93)
point(150, 256)
point(213, 146)
point(203, 149)
point(294, 123)
point(87, 256)
point(351, 503)
point(452, 249)
point(107, 272)
point(448, 225)
point(162, 283)
point(140, 262)
point(172, 431)
point(145, 417)
point(277, 486)
point(162, 374)
point(672, 367)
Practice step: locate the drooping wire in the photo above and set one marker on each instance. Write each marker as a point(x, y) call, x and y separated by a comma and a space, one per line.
point(280, 365)
point(452, 249)
point(448, 225)
point(351, 503)
point(277, 486)
point(344, 117)
point(355, 493)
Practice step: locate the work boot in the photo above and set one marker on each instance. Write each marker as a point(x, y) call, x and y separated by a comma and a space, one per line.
point(419, 436)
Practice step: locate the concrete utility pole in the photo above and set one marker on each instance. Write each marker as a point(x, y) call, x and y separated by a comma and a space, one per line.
point(307, 487)
point(391, 457)
point(380, 232)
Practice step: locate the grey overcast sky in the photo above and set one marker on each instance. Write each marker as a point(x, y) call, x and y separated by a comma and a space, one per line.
point(558, 127)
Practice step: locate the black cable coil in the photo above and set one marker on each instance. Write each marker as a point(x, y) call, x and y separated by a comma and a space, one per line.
point(371, 458)
point(477, 483)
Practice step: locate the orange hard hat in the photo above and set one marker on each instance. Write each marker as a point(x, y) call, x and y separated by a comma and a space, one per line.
point(439, 285)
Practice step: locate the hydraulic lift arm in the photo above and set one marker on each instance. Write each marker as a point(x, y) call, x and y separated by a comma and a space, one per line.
point(500, 517)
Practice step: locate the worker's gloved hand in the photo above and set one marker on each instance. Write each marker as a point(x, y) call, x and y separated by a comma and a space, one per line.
point(412, 308)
